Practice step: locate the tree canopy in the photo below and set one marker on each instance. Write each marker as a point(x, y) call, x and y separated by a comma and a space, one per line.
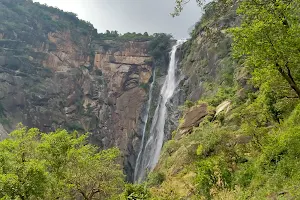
point(269, 40)
point(179, 5)
point(58, 165)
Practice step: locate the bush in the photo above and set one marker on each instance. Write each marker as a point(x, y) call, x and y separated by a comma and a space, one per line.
point(155, 178)
point(188, 104)
point(136, 192)
point(171, 146)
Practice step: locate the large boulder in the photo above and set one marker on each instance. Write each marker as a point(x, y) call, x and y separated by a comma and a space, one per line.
point(192, 118)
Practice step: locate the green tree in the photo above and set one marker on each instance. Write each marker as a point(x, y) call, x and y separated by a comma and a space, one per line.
point(58, 165)
point(159, 48)
point(22, 174)
point(179, 5)
point(269, 40)
point(223, 4)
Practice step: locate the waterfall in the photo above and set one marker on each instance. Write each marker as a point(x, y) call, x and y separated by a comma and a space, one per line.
point(145, 119)
point(150, 152)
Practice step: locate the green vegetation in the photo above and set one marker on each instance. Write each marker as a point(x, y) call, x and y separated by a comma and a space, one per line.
point(252, 150)
point(249, 151)
point(159, 48)
point(180, 5)
point(16, 18)
point(74, 126)
point(155, 178)
point(114, 35)
point(58, 165)
point(219, 6)
point(135, 192)
point(269, 38)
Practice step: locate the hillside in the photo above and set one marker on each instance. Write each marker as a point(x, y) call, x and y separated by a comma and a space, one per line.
point(238, 134)
point(230, 126)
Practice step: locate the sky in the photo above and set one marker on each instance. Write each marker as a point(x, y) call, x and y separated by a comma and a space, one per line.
point(138, 16)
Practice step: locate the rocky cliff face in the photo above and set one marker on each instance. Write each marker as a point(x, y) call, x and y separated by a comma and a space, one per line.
point(55, 74)
point(206, 66)
point(125, 72)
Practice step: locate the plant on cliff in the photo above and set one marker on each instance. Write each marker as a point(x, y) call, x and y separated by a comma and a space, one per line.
point(159, 48)
point(114, 35)
point(58, 165)
point(180, 5)
point(135, 192)
point(220, 6)
point(269, 40)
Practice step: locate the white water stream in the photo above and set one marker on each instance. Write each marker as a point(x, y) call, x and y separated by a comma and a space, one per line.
point(150, 152)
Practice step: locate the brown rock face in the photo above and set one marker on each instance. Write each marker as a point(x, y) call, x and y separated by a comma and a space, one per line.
point(64, 53)
point(124, 70)
point(53, 77)
point(192, 118)
point(124, 67)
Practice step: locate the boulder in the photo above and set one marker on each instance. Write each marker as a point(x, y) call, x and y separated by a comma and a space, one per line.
point(224, 106)
point(192, 118)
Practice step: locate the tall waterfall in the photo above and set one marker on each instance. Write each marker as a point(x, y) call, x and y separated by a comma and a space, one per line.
point(150, 152)
point(145, 119)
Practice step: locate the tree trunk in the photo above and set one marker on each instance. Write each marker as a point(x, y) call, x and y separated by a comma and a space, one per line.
point(288, 76)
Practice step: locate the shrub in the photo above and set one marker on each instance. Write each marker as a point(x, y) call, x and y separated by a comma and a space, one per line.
point(136, 192)
point(155, 178)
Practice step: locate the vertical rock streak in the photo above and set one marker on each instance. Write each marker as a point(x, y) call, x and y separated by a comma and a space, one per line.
point(145, 120)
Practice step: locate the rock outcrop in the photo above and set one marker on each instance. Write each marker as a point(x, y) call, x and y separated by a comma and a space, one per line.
point(192, 118)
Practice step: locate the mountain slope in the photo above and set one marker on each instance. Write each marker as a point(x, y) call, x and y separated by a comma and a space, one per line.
point(228, 143)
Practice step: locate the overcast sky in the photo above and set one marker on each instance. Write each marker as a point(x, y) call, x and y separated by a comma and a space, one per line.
point(124, 16)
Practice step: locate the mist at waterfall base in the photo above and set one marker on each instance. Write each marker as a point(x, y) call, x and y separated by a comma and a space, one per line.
point(150, 150)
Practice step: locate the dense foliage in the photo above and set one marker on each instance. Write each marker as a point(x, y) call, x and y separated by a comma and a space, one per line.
point(252, 150)
point(114, 35)
point(58, 165)
point(269, 39)
point(159, 48)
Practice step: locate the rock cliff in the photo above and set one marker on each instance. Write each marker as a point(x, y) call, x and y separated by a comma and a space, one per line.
point(206, 67)
point(56, 73)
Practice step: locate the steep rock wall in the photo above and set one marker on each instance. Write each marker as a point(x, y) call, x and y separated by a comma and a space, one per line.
point(125, 71)
point(55, 74)
point(205, 62)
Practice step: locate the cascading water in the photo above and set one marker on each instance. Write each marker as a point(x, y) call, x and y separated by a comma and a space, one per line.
point(149, 153)
point(145, 119)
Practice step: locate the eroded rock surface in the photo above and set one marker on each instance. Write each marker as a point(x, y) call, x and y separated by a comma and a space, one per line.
point(61, 76)
point(192, 118)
